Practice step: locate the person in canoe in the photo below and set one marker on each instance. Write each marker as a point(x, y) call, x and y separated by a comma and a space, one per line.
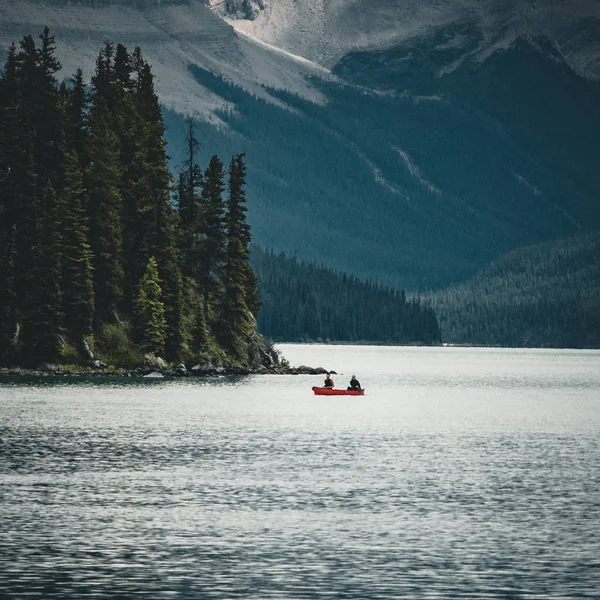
point(355, 384)
point(328, 381)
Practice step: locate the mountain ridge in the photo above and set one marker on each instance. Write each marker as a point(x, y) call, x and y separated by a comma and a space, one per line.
point(326, 30)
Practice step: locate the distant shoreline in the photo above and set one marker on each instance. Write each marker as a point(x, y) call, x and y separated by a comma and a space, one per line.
point(441, 345)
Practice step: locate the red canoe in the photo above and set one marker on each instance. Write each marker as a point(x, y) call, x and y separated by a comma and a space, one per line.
point(321, 391)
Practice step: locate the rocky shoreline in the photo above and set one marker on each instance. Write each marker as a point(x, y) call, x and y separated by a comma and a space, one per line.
point(181, 370)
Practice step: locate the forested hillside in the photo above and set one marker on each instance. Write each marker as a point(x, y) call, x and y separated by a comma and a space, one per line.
point(429, 179)
point(547, 295)
point(306, 302)
point(94, 260)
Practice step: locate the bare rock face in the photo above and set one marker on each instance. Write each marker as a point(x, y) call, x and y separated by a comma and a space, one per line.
point(155, 362)
point(244, 9)
point(325, 30)
point(173, 35)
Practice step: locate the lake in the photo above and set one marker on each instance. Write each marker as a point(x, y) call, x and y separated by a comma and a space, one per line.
point(462, 473)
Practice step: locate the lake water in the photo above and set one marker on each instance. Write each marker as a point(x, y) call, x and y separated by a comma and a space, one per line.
point(462, 473)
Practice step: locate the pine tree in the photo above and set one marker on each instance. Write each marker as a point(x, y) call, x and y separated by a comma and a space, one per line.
point(156, 225)
point(77, 280)
point(251, 290)
point(103, 79)
point(43, 329)
point(9, 134)
point(234, 323)
point(104, 204)
point(21, 197)
point(8, 317)
point(188, 196)
point(210, 249)
point(41, 101)
point(130, 130)
point(239, 229)
point(76, 119)
point(150, 311)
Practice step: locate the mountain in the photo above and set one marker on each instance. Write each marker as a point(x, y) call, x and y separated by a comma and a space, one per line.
point(412, 142)
point(541, 295)
point(172, 35)
point(326, 30)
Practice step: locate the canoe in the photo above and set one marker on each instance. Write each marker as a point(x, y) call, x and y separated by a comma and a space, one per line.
point(321, 391)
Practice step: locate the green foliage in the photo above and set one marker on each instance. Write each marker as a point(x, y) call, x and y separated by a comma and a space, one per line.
point(235, 323)
point(105, 206)
point(542, 295)
point(77, 279)
point(150, 311)
point(88, 231)
point(76, 131)
point(43, 326)
point(189, 205)
point(116, 347)
point(8, 318)
point(70, 355)
point(307, 302)
point(210, 239)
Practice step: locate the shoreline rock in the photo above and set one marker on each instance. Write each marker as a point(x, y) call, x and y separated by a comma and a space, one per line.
point(199, 371)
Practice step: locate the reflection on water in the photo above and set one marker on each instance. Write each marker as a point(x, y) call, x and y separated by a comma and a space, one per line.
point(459, 474)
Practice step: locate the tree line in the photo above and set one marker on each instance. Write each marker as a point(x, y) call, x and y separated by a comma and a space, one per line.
point(94, 253)
point(545, 295)
point(305, 302)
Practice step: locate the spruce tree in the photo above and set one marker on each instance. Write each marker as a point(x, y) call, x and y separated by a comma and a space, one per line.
point(8, 317)
point(235, 323)
point(24, 206)
point(210, 253)
point(43, 328)
point(156, 225)
point(129, 127)
point(9, 134)
point(188, 200)
point(150, 311)
point(104, 205)
point(76, 118)
point(41, 101)
point(77, 280)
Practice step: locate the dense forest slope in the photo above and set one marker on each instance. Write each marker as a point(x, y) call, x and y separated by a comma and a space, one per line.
point(306, 302)
point(544, 295)
point(426, 180)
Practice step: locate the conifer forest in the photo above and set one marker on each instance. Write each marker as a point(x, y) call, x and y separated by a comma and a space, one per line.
point(306, 302)
point(104, 253)
point(100, 253)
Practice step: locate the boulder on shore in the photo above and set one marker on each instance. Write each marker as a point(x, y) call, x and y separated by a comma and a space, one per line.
point(156, 363)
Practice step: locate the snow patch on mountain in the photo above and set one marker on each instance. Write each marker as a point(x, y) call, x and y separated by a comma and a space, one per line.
point(326, 30)
point(414, 170)
point(534, 189)
point(172, 37)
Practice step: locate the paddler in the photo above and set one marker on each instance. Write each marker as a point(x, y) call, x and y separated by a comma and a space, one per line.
point(328, 381)
point(354, 384)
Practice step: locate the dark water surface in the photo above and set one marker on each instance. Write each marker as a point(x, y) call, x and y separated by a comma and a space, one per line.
point(463, 473)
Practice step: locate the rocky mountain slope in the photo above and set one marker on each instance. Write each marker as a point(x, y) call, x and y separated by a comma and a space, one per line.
point(326, 30)
point(173, 35)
